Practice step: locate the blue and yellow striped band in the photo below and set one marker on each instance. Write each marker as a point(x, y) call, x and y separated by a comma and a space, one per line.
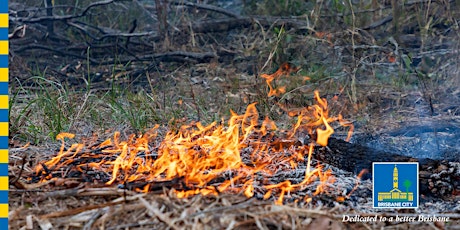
point(4, 114)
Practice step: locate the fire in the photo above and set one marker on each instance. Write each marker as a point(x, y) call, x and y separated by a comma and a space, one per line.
point(207, 159)
point(284, 70)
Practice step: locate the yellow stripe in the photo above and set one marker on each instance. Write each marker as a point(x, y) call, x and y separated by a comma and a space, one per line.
point(4, 20)
point(3, 74)
point(3, 47)
point(3, 101)
point(3, 210)
point(3, 183)
point(4, 156)
point(3, 128)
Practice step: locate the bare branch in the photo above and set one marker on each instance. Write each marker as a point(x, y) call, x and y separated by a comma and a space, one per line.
point(206, 7)
point(64, 17)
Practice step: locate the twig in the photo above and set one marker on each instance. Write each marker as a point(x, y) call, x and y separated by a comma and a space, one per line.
point(93, 219)
point(64, 17)
point(89, 192)
point(78, 210)
point(205, 7)
point(64, 53)
point(89, 207)
point(158, 213)
point(131, 30)
point(18, 32)
point(13, 182)
point(220, 25)
point(81, 26)
point(245, 204)
point(381, 22)
point(174, 56)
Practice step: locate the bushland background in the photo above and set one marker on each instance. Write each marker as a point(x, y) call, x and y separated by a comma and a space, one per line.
point(126, 65)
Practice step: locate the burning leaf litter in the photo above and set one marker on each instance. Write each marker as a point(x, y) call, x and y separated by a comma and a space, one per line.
point(240, 157)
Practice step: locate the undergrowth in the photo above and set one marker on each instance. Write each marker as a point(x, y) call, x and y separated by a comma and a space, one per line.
point(354, 66)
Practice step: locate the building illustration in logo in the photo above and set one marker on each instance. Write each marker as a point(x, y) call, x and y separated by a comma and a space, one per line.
point(395, 194)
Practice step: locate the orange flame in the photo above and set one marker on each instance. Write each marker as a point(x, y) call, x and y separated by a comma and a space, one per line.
point(285, 69)
point(208, 159)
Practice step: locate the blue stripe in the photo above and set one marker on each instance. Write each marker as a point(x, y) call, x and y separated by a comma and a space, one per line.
point(3, 88)
point(3, 115)
point(3, 169)
point(3, 33)
point(3, 61)
point(3, 223)
point(3, 142)
point(3, 7)
point(3, 197)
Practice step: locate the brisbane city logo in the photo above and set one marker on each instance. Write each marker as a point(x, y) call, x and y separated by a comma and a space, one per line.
point(395, 184)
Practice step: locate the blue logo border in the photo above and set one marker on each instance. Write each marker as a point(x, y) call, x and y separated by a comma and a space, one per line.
point(374, 192)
